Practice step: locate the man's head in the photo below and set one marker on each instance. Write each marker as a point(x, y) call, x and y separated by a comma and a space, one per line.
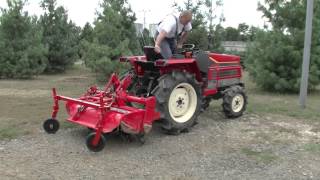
point(186, 17)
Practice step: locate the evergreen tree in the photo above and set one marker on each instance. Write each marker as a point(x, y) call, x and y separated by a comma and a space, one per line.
point(218, 37)
point(202, 31)
point(243, 29)
point(87, 33)
point(232, 34)
point(113, 35)
point(145, 39)
point(274, 59)
point(252, 33)
point(22, 54)
point(61, 36)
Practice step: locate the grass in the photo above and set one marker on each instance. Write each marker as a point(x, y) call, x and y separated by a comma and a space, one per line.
point(270, 104)
point(11, 133)
point(266, 103)
point(312, 147)
point(263, 156)
point(25, 104)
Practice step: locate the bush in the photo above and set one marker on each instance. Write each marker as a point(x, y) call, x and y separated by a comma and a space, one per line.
point(22, 54)
point(238, 53)
point(98, 59)
point(199, 37)
point(274, 58)
point(275, 63)
point(60, 35)
point(113, 36)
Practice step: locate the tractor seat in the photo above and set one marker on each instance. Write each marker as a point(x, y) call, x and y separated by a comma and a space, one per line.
point(151, 55)
point(203, 61)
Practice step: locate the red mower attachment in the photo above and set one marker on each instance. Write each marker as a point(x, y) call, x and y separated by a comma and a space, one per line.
point(105, 111)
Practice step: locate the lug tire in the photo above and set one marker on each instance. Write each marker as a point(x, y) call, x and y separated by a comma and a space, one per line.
point(235, 102)
point(170, 90)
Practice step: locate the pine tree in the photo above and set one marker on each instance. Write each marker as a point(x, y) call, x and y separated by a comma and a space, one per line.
point(22, 54)
point(61, 36)
point(244, 31)
point(87, 33)
point(203, 30)
point(274, 59)
point(113, 35)
point(232, 34)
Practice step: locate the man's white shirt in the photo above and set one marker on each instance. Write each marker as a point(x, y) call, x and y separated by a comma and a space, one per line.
point(169, 24)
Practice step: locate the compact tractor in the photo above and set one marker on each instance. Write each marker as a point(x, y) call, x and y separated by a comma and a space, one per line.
point(171, 91)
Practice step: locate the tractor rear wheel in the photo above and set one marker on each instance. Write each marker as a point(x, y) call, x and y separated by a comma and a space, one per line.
point(234, 102)
point(178, 101)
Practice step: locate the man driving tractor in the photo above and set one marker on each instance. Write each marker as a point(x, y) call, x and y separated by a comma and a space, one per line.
point(172, 33)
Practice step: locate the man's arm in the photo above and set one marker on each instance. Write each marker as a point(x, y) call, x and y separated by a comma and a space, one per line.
point(159, 39)
point(183, 39)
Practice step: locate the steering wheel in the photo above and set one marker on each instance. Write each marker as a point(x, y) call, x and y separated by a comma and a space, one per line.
point(188, 47)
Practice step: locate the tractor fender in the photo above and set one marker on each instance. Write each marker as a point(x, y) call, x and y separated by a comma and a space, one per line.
point(183, 65)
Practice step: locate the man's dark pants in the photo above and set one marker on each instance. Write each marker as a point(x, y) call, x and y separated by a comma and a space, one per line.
point(168, 47)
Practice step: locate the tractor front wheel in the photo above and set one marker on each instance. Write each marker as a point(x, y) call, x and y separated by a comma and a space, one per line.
point(178, 101)
point(234, 101)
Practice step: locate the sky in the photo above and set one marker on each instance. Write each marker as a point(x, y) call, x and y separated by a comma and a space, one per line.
point(82, 11)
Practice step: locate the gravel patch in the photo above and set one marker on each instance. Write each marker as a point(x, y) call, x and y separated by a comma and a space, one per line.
point(215, 149)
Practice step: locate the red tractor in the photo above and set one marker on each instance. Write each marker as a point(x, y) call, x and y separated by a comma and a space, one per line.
point(172, 92)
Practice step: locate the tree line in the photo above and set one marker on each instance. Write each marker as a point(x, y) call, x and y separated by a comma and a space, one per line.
point(51, 43)
point(274, 58)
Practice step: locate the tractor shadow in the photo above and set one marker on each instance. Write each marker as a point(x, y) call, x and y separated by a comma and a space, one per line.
point(214, 114)
point(116, 140)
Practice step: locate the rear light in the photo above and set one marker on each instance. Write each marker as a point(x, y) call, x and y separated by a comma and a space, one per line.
point(124, 59)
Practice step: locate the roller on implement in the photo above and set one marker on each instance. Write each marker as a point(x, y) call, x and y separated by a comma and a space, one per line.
point(172, 92)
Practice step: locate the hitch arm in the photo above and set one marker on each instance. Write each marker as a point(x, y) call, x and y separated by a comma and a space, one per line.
point(55, 104)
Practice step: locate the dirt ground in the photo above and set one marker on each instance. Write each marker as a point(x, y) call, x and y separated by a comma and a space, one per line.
point(251, 147)
point(263, 144)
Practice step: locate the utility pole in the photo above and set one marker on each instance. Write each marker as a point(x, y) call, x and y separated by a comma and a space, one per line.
point(211, 13)
point(210, 26)
point(144, 17)
point(306, 55)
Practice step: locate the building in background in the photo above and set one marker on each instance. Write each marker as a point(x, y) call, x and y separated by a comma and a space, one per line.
point(238, 46)
point(139, 28)
point(153, 29)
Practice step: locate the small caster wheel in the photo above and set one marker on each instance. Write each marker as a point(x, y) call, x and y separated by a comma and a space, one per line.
point(90, 130)
point(51, 126)
point(141, 139)
point(99, 146)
